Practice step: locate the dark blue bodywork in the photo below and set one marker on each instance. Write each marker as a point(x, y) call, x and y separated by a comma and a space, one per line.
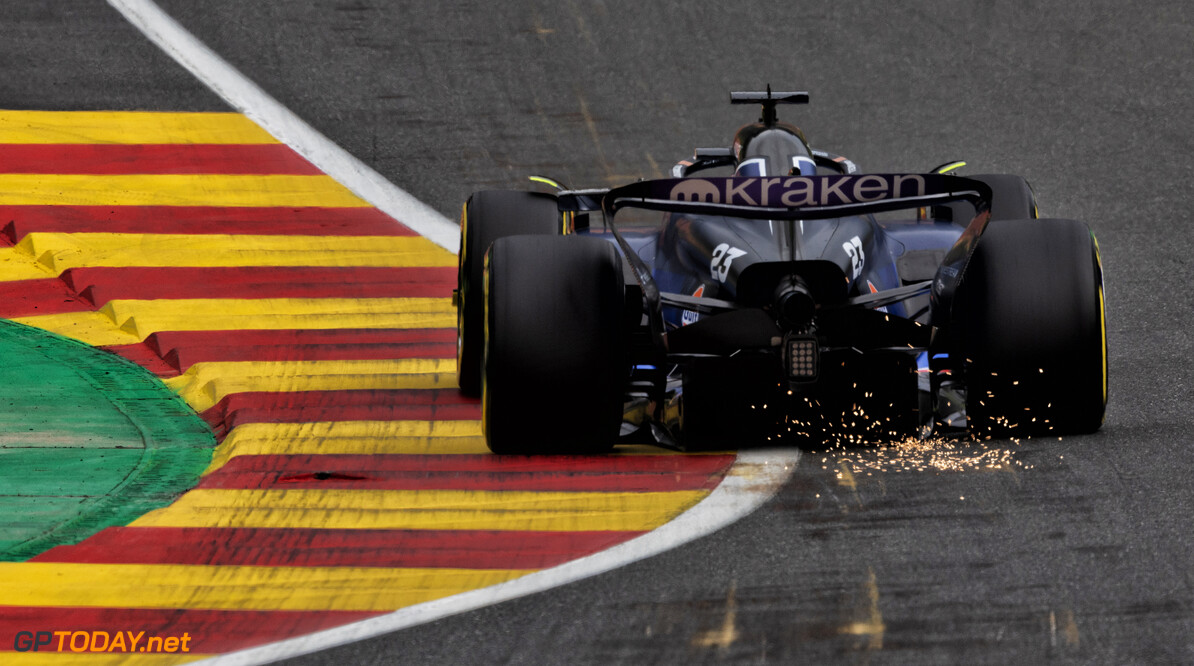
point(729, 286)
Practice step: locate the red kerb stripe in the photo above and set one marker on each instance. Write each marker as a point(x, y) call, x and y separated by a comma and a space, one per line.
point(350, 405)
point(23, 298)
point(667, 464)
point(179, 350)
point(83, 289)
point(17, 221)
point(472, 472)
point(101, 158)
point(465, 549)
point(100, 285)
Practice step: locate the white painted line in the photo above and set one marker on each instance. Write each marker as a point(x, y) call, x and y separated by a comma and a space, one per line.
point(754, 478)
point(249, 99)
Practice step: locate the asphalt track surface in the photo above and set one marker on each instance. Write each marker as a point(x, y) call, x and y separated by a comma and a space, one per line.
point(1074, 550)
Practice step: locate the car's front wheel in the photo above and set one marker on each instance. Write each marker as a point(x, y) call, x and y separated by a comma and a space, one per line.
point(487, 216)
point(1011, 199)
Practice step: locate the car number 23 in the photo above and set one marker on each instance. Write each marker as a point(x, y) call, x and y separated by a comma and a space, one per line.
point(723, 256)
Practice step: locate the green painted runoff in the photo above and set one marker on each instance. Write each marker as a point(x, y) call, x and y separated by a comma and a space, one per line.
point(88, 440)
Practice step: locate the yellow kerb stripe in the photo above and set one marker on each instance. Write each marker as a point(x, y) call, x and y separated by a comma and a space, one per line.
point(205, 384)
point(59, 252)
point(127, 322)
point(422, 509)
point(94, 328)
point(350, 437)
point(16, 264)
point(21, 189)
point(235, 587)
point(371, 438)
point(129, 127)
point(336, 430)
point(243, 441)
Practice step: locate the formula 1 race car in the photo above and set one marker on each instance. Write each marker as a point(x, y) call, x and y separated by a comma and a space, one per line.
point(791, 299)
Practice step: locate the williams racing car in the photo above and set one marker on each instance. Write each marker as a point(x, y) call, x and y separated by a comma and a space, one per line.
point(772, 292)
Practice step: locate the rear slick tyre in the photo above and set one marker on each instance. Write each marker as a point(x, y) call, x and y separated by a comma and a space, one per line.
point(1030, 311)
point(556, 360)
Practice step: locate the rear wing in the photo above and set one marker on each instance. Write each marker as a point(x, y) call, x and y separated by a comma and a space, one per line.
point(782, 198)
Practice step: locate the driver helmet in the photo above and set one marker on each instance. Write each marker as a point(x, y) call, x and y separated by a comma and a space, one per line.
point(779, 150)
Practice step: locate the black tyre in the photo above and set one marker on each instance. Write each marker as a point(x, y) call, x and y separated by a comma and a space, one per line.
point(556, 359)
point(488, 216)
point(1012, 199)
point(1030, 322)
